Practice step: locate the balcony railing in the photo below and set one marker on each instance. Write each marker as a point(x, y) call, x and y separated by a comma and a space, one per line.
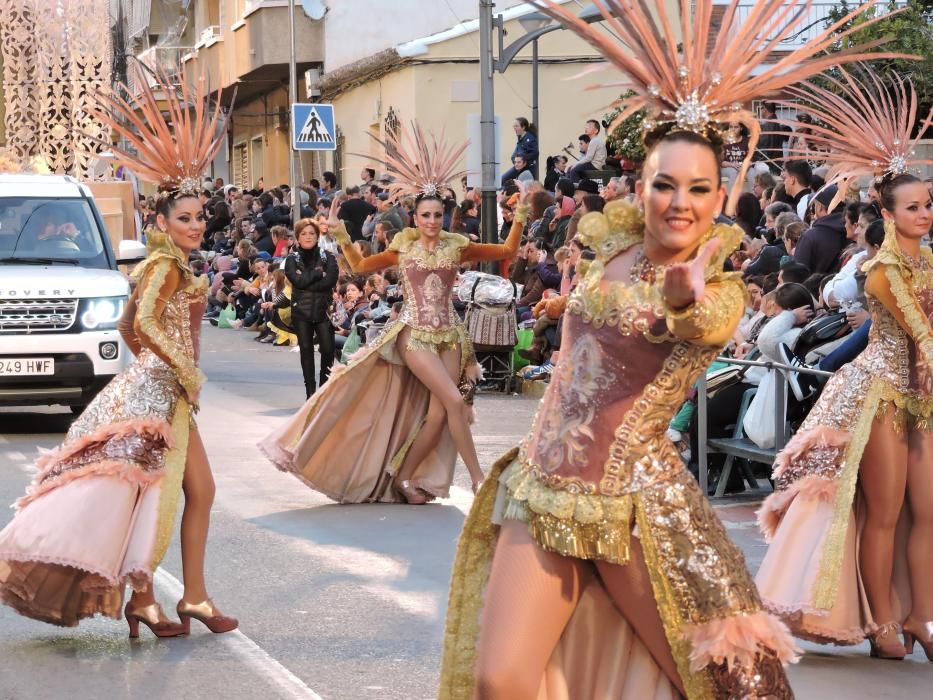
point(165, 58)
point(809, 26)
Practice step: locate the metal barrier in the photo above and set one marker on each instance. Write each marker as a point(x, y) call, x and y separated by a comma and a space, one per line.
point(743, 447)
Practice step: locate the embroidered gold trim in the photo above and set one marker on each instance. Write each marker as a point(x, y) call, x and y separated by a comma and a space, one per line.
point(584, 526)
point(918, 323)
point(174, 473)
point(707, 320)
point(637, 454)
point(446, 254)
point(472, 564)
point(697, 685)
point(189, 376)
point(614, 230)
point(825, 586)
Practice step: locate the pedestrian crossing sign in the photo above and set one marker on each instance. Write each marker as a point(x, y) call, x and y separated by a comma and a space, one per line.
point(313, 127)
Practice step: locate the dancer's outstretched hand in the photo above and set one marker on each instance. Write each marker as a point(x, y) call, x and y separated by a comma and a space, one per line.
point(520, 196)
point(685, 283)
point(332, 220)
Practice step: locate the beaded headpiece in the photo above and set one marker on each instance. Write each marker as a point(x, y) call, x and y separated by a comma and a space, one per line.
point(861, 127)
point(423, 165)
point(699, 79)
point(171, 151)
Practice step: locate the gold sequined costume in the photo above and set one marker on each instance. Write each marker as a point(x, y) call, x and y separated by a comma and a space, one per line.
point(350, 438)
point(597, 470)
point(100, 511)
point(810, 573)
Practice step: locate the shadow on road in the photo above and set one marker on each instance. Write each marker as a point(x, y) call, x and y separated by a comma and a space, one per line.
point(421, 538)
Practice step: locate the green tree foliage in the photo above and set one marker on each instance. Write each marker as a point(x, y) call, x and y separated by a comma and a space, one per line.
point(625, 138)
point(909, 32)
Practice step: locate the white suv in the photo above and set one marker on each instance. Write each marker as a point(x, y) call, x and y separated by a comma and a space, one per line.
point(61, 293)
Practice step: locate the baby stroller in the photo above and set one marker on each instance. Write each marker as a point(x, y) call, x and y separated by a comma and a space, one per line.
point(491, 324)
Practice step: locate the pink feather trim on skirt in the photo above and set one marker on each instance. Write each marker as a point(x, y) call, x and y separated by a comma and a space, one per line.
point(800, 444)
point(737, 641)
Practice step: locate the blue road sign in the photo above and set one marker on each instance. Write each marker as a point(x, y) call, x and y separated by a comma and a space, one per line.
point(313, 127)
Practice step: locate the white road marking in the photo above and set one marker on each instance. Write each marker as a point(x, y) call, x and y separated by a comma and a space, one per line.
point(287, 683)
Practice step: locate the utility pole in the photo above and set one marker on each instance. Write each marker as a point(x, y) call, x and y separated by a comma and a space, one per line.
point(292, 99)
point(489, 220)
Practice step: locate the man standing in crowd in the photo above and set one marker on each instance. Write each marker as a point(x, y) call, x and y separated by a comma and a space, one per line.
point(820, 247)
point(354, 212)
point(596, 154)
point(367, 178)
point(797, 175)
point(330, 185)
point(770, 148)
point(390, 214)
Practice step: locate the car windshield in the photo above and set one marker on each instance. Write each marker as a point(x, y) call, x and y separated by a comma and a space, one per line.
point(52, 231)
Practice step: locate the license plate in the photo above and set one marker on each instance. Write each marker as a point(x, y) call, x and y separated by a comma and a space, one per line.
point(26, 366)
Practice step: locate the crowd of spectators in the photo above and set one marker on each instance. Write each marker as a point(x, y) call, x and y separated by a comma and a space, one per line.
point(801, 259)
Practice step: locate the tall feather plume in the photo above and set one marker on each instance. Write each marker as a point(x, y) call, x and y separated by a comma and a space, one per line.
point(863, 127)
point(172, 151)
point(422, 164)
point(695, 88)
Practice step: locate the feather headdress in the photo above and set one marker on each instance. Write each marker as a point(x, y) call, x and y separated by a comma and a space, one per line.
point(422, 164)
point(862, 128)
point(689, 79)
point(172, 151)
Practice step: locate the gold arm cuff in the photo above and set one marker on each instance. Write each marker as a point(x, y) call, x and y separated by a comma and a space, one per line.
point(708, 319)
point(191, 379)
point(521, 213)
point(341, 235)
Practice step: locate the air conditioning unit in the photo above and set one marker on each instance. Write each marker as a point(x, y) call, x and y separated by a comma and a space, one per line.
point(312, 78)
point(209, 34)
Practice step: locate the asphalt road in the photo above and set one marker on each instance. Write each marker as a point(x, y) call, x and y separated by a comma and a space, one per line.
point(334, 601)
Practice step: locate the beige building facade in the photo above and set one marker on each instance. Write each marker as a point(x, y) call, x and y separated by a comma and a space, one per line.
point(437, 79)
point(241, 47)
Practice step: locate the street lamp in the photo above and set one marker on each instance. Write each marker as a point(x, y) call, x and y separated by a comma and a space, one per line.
point(532, 23)
point(535, 25)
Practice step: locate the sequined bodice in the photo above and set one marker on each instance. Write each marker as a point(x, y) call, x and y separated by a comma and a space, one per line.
point(620, 379)
point(892, 354)
point(181, 321)
point(428, 282)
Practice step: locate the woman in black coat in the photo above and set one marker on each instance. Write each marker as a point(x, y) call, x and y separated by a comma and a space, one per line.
point(312, 273)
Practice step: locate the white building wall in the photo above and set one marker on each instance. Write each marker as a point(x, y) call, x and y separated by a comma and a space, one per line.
point(356, 29)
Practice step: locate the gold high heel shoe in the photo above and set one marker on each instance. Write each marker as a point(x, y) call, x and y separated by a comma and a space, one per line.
point(412, 495)
point(207, 615)
point(884, 642)
point(918, 632)
point(153, 617)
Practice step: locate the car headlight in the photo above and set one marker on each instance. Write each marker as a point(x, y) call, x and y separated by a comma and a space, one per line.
point(102, 314)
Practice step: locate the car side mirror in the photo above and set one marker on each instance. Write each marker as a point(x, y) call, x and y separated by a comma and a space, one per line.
point(130, 252)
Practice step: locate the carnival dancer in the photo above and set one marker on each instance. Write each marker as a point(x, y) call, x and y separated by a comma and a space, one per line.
point(99, 513)
point(389, 425)
point(851, 520)
point(598, 568)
